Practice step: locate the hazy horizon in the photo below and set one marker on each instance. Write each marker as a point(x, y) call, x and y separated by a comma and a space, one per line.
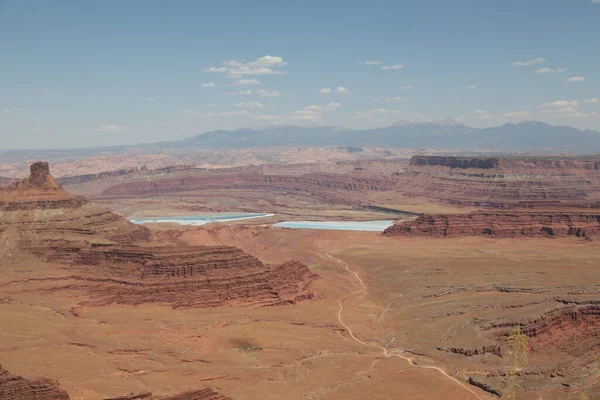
point(114, 73)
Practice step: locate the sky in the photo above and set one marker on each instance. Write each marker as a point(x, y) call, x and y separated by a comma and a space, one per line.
point(94, 73)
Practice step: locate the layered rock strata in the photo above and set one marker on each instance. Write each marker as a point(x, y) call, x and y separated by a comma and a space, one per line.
point(203, 180)
point(506, 162)
point(505, 183)
point(457, 162)
point(15, 387)
point(202, 394)
point(500, 224)
point(115, 261)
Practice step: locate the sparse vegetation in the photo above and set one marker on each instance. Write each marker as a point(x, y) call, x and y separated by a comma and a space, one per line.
point(246, 345)
point(518, 343)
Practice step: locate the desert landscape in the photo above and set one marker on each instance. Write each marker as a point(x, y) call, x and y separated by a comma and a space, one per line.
point(95, 307)
point(315, 200)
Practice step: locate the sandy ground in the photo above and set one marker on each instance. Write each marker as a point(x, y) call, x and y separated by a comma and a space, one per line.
point(304, 351)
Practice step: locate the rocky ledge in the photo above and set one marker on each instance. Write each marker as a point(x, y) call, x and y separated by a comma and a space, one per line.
point(15, 387)
point(500, 224)
point(118, 261)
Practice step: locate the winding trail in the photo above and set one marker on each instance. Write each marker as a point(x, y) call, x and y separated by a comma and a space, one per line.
point(386, 354)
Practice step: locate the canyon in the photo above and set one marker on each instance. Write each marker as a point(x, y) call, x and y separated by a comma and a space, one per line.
point(103, 307)
point(500, 224)
point(46, 221)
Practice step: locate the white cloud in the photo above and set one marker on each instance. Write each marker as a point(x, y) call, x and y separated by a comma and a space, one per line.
point(327, 107)
point(241, 113)
point(240, 93)
point(306, 115)
point(216, 69)
point(341, 89)
point(150, 99)
point(592, 100)
point(6, 110)
point(325, 91)
point(209, 85)
point(471, 86)
point(392, 67)
point(576, 79)
point(580, 114)
point(266, 93)
point(481, 112)
point(309, 113)
point(549, 70)
point(111, 128)
point(519, 114)
point(372, 63)
point(267, 65)
point(395, 99)
point(406, 88)
point(564, 110)
point(370, 114)
point(267, 117)
point(558, 104)
point(537, 60)
point(244, 82)
point(595, 1)
point(250, 105)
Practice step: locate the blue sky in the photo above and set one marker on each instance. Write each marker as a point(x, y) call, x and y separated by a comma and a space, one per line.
point(86, 73)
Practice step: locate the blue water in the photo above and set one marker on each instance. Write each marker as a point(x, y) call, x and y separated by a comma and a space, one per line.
point(200, 219)
point(372, 226)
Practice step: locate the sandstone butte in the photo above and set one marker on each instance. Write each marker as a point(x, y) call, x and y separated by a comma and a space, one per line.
point(516, 182)
point(113, 260)
point(42, 219)
point(500, 224)
point(15, 387)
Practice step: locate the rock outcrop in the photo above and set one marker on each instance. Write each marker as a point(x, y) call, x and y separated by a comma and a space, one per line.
point(500, 224)
point(205, 180)
point(202, 394)
point(46, 216)
point(115, 261)
point(506, 162)
point(15, 387)
point(503, 183)
point(79, 179)
point(579, 320)
point(457, 162)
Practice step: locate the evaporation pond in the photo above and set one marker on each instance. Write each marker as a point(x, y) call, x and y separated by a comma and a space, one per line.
point(200, 219)
point(373, 226)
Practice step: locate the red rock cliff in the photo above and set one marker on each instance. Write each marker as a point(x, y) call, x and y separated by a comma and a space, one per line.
point(499, 224)
point(15, 387)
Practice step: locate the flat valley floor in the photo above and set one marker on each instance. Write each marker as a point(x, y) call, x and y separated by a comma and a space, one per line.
point(383, 313)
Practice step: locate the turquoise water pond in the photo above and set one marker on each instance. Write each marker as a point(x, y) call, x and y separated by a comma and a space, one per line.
point(372, 226)
point(195, 220)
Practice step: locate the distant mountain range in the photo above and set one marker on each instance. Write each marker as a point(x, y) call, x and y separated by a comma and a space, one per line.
point(533, 137)
point(448, 134)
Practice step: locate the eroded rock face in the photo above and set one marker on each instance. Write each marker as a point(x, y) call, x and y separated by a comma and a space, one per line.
point(500, 224)
point(44, 215)
point(508, 162)
point(116, 262)
point(503, 183)
point(457, 162)
point(581, 321)
point(202, 180)
point(15, 387)
point(202, 394)
point(40, 174)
